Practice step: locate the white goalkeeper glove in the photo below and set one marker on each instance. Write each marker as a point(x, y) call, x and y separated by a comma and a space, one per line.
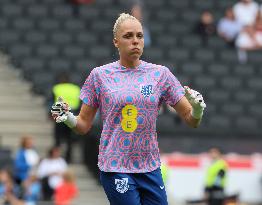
point(197, 102)
point(61, 113)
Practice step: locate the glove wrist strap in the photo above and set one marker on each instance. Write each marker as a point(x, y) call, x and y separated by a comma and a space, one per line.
point(197, 113)
point(71, 120)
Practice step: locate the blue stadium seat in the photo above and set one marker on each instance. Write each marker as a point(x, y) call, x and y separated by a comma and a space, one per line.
point(165, 41)
point(86, 39)
point(229, 56)
point(203, 5)
point(37, 11)
point(178, 5)
point(20, 50)
point(35, 37)
point(154, 54)
point(218, 96)
point(256, 110)
point(231, 83)
point(246, 123)
point(33, 64)
point(73, 52)
point(244, 70)
point(232, 109)
point(165, 15)
point(88, 13)
point(218, 69)
point(191, 41)
point(204, 55)
point(179, 54)
point(204, 82)
point(219, 121)
point(192, 68)
point(85, 65)
point(8, 37)
point(11, 10)
point(23, 24)
point(61, 11)
point(61, 38)
point(74, 25)
point(47, 51)
point(255, 83)
point(59, 65)
point(245, 96)
point(49, 24)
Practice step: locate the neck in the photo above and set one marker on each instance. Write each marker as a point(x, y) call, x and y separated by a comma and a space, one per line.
point(129, 64)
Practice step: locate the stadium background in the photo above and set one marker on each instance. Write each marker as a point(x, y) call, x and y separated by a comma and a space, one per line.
point(43, 38)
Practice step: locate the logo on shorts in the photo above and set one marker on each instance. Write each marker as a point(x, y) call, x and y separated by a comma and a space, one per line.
point(122, 185)
point(146, 90)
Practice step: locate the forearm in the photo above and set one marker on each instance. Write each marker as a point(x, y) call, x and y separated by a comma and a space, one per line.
point(82, 127)
point(189, 119)
point(192, 121)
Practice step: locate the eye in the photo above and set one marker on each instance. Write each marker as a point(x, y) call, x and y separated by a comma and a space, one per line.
point(140, 35)
point(129, 35)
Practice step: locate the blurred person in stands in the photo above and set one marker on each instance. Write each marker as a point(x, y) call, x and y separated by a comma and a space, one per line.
point(67, 190)
point(245, 12)
point(31, 192)
point(228, 28)
point(137, 12)
point(249, 39)
point(7, 187)
point(128, 94)
point(50, 172)
point(25, 160)
point(216, 178)
point(206, 26)
point(70, 93)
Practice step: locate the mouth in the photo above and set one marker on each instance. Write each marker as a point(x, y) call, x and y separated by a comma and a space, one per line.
point(135, 49)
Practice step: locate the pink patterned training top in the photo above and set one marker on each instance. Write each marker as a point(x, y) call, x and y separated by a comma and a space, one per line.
point(129, 100)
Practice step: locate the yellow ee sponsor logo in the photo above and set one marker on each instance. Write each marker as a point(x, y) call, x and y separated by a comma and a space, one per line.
point(129, 115)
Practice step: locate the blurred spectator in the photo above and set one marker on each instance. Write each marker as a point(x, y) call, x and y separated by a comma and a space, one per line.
point(67, 191)
point(137, 11)
point(205, 27)
point(26, 158)
point(70, 93)
point(50, 172)
point(249, 39)
point(245, 12)
point(258, 22)
point(228, 28)
point(31, 192)
point(216, 178)
point(7, 187)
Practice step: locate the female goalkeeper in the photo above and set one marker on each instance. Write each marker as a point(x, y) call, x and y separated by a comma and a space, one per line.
point(128, 93)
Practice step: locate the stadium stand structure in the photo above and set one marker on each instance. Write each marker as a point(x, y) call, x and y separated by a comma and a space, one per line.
point(44, 38)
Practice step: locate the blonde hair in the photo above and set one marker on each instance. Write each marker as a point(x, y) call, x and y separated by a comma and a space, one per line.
point(122, 17)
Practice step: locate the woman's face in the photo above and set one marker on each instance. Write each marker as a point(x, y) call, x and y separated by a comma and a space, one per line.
point(130, 40)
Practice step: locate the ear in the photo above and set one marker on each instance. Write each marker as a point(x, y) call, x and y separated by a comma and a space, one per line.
point(115, 41)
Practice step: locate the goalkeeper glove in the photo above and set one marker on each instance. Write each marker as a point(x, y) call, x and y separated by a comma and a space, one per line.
point(61, 113)
point(197, 102)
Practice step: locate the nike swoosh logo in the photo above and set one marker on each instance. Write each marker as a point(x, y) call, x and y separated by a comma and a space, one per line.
point(162, 187)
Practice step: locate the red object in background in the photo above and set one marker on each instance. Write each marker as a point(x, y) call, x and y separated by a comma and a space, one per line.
point(83, 1)
point(65, 193)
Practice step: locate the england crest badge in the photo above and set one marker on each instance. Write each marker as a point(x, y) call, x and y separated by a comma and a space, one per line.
point(121, 185)
point(146, 90)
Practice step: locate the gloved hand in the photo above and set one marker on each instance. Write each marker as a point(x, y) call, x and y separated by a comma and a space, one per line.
point(61, 113)
point(197, 102)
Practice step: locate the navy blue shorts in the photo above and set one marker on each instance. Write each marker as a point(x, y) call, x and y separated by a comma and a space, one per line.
point(134, 189)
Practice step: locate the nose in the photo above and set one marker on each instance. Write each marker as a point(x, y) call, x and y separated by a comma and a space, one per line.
point(135, 40)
